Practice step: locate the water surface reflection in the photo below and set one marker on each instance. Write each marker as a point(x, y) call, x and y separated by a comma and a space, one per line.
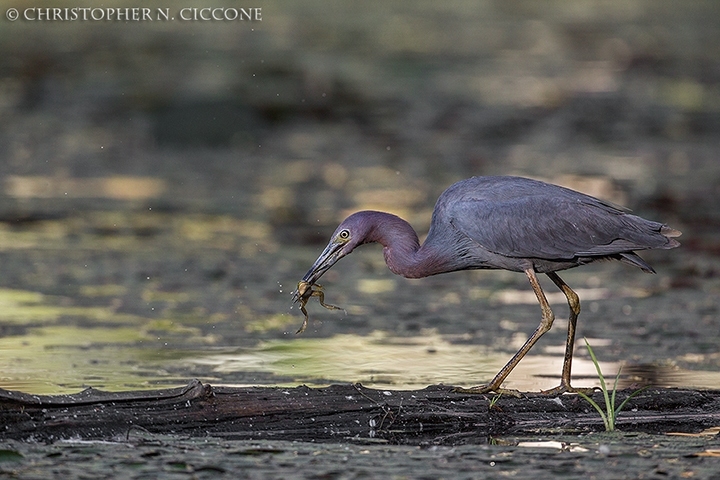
point(65, 359)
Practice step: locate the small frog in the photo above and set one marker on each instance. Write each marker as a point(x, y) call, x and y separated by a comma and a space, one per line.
point(302, 295)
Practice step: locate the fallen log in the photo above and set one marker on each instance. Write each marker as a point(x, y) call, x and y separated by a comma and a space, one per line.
point(351, 412)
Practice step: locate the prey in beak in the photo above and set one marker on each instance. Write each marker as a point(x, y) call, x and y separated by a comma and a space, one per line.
point(307, 287)
point(303, 294)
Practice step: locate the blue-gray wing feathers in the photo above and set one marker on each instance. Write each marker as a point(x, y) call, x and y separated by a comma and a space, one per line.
point(523, 218)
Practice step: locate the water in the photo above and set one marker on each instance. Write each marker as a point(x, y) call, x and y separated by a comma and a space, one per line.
point(59, 359)
point(151, 300)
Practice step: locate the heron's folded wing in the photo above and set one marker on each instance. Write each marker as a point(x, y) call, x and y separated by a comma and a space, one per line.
point(550, 227)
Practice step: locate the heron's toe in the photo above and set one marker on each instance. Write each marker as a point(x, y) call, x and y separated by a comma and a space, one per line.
point(563, 388)
point(489, 389)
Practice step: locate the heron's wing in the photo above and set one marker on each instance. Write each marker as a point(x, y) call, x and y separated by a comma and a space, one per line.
point(550, 227)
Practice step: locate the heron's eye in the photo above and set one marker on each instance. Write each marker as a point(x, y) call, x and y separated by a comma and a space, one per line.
point(344, 234)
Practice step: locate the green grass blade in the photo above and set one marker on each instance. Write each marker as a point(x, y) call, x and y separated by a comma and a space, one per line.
point(597, 407)
point(617, 378)
point(597, 366)
point(610, 423)
point(610, 417)
point(612, 399)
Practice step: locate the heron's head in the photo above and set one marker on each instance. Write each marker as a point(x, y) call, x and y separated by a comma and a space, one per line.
point(353, 231)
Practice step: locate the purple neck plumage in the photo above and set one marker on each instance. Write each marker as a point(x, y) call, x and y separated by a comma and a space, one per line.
point(401, 247)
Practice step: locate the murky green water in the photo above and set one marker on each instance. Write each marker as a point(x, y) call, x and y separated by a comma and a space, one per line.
point(120, 352)
point(149, 300)
point(64, 359)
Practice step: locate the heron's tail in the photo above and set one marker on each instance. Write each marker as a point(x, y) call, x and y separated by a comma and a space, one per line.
point(632, 258)
point(670, 234)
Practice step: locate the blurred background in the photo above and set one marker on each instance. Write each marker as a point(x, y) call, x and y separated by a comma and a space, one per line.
point(164, 184)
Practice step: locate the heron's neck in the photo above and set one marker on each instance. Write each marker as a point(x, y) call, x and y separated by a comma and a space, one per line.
point(401, 248)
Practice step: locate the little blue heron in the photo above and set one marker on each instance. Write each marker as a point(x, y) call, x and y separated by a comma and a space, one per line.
point(509, 223)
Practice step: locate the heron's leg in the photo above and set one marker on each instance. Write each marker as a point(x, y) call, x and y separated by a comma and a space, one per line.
point(545, 323)
point(574, 304)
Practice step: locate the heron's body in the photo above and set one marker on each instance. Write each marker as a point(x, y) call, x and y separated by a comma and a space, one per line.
point(509, 223)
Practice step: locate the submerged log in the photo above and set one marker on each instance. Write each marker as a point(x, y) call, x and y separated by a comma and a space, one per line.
point(434, 415)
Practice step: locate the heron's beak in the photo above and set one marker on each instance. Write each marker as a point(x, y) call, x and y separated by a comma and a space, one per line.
point(331, 254)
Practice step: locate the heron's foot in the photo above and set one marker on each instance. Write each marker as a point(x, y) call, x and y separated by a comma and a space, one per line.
point(489, 389)
point(566, 388)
